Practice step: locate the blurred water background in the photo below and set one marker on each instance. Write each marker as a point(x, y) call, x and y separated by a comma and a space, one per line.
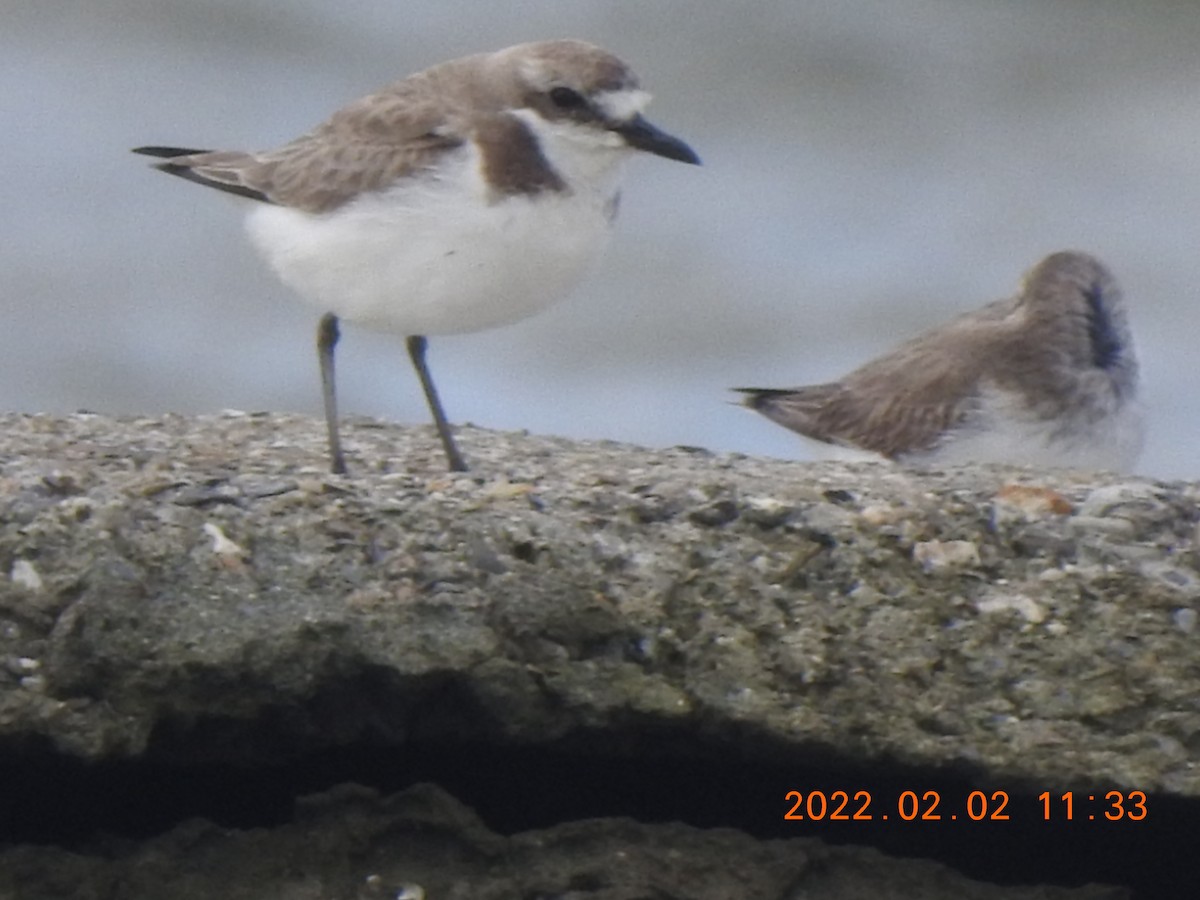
point(871, 169)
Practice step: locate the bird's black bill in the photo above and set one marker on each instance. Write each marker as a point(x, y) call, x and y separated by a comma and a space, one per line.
point(641, 134)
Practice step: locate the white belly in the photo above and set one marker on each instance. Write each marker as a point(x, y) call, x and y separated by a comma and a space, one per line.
point(998, 434)
point(437, 257)
point(1110, 442)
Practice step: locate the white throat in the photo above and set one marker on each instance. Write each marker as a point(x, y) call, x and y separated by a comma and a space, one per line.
point(588, 158)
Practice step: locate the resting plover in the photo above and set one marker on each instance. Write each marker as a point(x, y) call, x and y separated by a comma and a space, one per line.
point(467, 196)
point(1048, 377)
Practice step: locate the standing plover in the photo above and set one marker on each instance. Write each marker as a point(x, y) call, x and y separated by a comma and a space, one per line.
point(1048, 377)
point(467, 196)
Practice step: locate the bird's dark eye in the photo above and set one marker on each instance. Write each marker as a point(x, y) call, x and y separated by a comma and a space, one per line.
point(565, 98)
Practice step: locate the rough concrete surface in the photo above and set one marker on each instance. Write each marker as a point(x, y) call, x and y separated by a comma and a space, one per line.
point(201, 590)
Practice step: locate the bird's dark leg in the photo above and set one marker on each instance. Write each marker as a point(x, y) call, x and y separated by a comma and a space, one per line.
point(416, 352)
point(327, 338)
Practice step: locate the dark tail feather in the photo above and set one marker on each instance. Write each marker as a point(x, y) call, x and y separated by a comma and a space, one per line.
point(167, 152)
point(757, 398)
point(190, 174)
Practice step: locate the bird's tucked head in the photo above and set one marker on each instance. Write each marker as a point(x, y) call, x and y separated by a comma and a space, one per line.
point(1080, 305)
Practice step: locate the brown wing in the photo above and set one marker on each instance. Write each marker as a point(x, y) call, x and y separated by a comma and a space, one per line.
point(1061, 342)
point(891, 424)
point(904, 401)
point(365, 146)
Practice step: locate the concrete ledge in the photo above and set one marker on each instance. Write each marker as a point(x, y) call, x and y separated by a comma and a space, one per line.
point(199, 590)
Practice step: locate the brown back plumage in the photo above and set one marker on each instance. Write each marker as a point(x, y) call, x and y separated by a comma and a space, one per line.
point(1061, 342)
point(404, 128)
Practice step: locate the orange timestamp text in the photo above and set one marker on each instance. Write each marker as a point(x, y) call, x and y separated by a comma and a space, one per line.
point(975, 806)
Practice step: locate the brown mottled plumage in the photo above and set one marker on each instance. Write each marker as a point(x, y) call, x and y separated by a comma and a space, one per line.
point(1055, 362)
point(403, 128)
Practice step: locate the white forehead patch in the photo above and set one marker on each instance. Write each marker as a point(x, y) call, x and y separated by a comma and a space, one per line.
point(622, 105)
